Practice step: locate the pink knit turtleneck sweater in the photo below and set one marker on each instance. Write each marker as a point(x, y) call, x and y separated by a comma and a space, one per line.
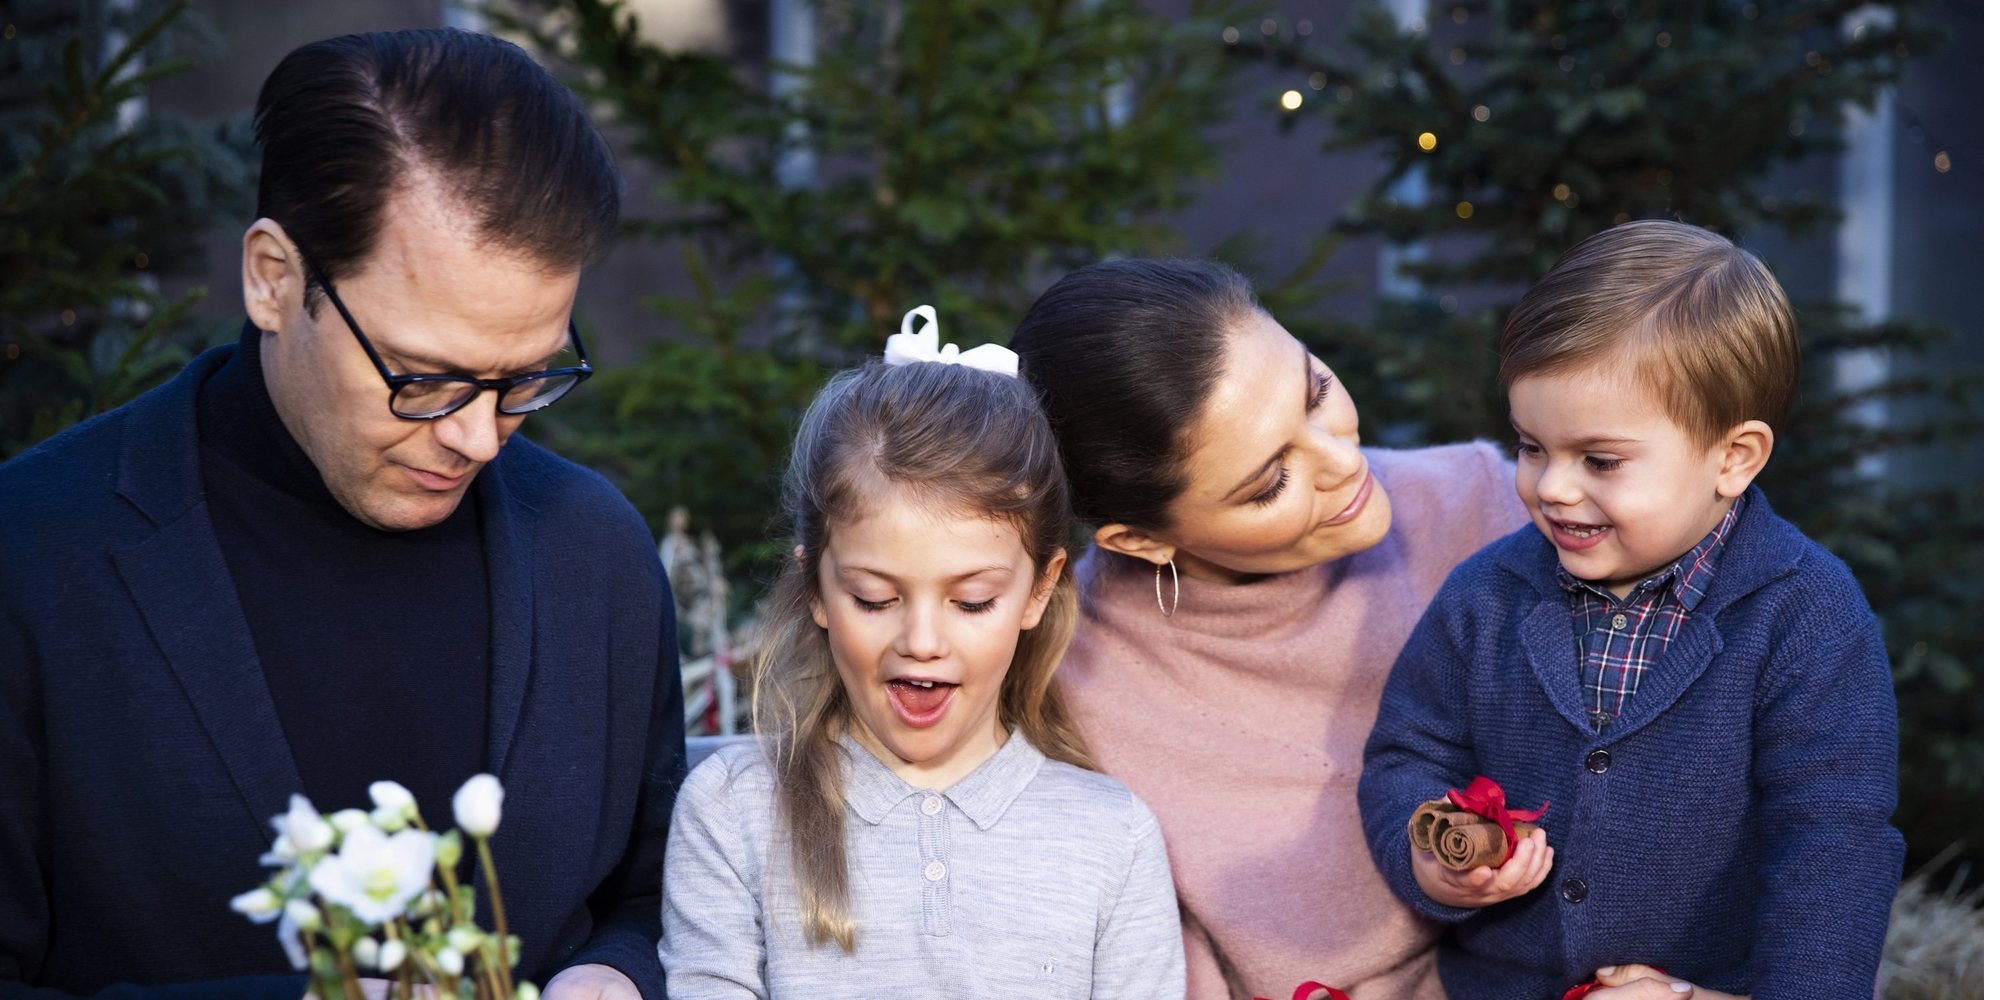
point(1241, 719)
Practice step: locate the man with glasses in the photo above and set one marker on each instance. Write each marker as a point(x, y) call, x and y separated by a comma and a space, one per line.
point(319, 557)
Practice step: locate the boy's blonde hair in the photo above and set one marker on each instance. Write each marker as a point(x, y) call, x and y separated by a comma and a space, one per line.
point(960, 440)
point(1696, 320)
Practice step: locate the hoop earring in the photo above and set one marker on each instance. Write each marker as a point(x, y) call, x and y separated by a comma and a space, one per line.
point(1157, 596)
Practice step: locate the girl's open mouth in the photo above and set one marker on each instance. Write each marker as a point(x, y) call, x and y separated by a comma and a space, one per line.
point(920, 702)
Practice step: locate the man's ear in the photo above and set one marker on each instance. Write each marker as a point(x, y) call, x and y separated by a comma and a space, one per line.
point(1746, 449)
point(1045, 588)
point(818, 609)
point(1127, 540)
point(273, 285)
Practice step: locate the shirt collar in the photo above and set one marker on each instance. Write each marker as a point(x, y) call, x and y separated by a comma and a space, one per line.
point(1689, 576)
point(874, 791)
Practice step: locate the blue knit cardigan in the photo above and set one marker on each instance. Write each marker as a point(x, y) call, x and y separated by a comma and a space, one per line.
point(1734, 830)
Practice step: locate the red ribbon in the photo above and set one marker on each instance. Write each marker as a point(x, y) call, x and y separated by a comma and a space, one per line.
point(1485, 799)
point(1305, 992)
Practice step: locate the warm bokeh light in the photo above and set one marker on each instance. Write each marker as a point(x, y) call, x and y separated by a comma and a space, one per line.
point(1465, 210)
point(1292, 100)
point(1427, 141)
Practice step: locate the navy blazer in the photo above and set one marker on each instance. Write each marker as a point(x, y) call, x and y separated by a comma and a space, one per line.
point(1731, 826)
point(141, 757)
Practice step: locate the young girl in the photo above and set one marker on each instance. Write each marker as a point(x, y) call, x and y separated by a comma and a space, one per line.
point(919, 816)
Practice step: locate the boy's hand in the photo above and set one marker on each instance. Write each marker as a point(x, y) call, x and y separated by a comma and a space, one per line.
point(1483, 886)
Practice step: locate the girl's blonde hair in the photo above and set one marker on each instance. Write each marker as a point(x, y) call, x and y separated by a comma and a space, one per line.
point(957, 439)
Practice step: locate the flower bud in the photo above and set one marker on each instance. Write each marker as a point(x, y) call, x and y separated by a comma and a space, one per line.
point(450, 847)
point(527, 991)
point(395, 807)
point(304, 915)
point(450, 961)
point(260, 904)
point(349, 820)
point(393, 953)
point(465, 938)
point(392, 797)
point(367, 952)
point(476, 806)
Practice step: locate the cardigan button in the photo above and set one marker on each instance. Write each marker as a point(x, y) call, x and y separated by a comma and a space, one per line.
point(1574, 891)
point(1599, 761)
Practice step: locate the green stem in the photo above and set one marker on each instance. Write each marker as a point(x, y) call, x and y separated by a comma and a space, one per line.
point(499, 916)
point(350, 981)
point(396, 931)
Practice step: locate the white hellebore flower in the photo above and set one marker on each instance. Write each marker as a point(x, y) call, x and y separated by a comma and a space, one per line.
point(304, 829)
point(393, 953)
point(476, 806)
point(395, 807)
point(288, 937)
point(261, 905)
point(375, 875)
point(282, 853)
point(450, 962)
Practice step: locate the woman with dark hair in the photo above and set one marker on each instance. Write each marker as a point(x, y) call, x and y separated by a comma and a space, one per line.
point(1247, 593)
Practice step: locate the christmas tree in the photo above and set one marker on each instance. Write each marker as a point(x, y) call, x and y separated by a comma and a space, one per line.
point(956, 152)
point(99, 201)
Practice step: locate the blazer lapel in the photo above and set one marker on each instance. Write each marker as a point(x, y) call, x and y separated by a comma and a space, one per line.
point(509, 529)
point(1550, 641)
point(1694, 647)
point(181, 585)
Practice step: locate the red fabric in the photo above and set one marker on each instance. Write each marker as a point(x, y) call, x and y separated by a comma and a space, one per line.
point(1305, 992)
point(1577, 992)
point(1485, 799)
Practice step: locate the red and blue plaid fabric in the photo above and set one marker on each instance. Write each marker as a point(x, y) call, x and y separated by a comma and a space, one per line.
point(1616, 641)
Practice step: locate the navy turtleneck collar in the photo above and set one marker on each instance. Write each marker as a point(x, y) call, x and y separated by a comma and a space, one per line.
point(239, 421)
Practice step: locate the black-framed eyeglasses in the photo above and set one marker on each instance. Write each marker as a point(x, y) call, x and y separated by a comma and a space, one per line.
point(429, 397)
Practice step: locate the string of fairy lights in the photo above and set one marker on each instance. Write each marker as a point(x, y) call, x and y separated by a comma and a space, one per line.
point(1293, 100)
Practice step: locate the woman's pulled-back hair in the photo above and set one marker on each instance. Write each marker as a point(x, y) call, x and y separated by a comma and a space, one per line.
point(956, 439)
point(1125, 354)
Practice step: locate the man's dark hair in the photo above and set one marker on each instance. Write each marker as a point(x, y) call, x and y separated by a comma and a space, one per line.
point(343, 121)
point(1125, 354)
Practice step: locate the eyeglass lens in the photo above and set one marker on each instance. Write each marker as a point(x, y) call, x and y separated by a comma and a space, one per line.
point(430, 399)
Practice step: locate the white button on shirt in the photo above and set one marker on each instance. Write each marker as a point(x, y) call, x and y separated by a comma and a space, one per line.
point(1040, 881)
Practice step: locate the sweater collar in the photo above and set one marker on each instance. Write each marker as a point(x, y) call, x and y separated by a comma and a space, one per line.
point(239, 421)
point(1761, 548)
point(1687, 578)
point(1112, 582)
point(874, 791)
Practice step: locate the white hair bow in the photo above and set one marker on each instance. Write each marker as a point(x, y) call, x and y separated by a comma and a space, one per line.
point(907, 347)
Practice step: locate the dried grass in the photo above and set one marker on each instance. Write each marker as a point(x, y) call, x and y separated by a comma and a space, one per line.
point(1935, 949)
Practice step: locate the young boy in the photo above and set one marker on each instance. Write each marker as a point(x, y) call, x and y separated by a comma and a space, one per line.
point(1698, 691)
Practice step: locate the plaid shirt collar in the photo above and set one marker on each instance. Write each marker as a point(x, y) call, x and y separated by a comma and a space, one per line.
point(1689, 575)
